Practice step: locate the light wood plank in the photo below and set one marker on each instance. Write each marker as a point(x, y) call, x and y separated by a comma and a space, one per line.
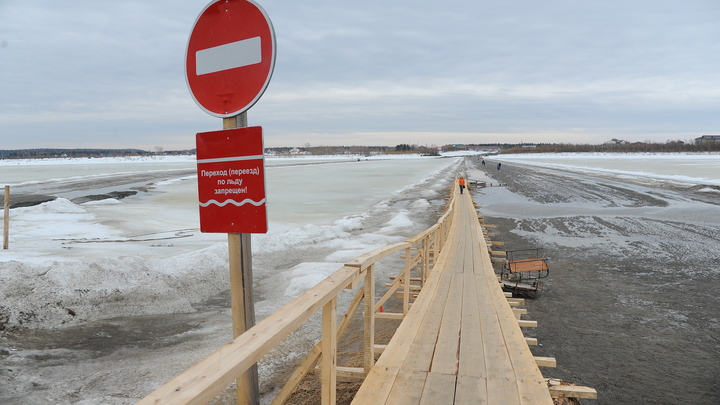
point(423, 347)
point(371, 258)
point(445, 358)
point(527, 375)
point(572, 391)
point(502, 391)
point(516, 301)
point(389, 315)
point(382, 376)
point(377, 386)
point(438, 389)
point(369, 319)
point(329, 350)
point(526, 324)
point(500, 374)
point(471, 390)
point(472, 355)
point(545, 361)
point(408, 388)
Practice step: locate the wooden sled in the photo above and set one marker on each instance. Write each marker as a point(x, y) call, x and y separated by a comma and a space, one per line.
point(522, 272)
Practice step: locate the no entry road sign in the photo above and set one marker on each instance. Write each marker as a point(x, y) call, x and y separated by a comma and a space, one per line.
point(230, 56)
point(231, 181)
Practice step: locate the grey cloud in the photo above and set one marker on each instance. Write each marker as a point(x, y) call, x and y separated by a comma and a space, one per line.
point(513, 67)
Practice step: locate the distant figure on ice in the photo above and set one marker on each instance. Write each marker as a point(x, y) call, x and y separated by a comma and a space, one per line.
point(499, 164)
point(483, 162)
point(461, 182)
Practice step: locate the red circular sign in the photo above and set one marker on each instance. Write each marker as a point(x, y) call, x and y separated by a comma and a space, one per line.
point(230, 56)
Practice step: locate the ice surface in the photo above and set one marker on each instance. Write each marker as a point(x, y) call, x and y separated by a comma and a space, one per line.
point(72, 263)
point(686, 168)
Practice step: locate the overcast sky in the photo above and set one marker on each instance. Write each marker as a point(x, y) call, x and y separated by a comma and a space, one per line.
point(76, 74)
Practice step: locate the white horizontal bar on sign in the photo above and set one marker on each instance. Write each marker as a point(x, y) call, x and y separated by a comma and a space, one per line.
point(231, 159)
point(229, 56)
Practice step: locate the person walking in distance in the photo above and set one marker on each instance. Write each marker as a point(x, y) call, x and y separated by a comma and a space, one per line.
point(499, 164)
point(461, 182)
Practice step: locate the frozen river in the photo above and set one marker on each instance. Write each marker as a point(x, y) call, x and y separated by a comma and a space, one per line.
point(299, 190)
point(104, 276)
point(678, 168)
point(321, 211)
point(138, 271)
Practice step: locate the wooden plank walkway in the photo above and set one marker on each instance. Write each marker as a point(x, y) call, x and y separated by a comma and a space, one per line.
point(460, 342)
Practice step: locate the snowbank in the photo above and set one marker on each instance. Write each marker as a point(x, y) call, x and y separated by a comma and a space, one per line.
point(56, 293)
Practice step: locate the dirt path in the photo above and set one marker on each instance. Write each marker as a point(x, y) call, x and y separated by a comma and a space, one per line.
point(631, 306)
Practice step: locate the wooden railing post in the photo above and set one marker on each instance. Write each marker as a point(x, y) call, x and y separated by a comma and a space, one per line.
point(442, 234)
point(446, 227)
point(311, 358)
point(369, 319)
point(426, 257)
point(406, 280)
point(329, 353)
point(435, 251)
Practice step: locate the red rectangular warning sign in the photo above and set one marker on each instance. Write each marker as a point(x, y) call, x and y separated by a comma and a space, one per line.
point(231, 181)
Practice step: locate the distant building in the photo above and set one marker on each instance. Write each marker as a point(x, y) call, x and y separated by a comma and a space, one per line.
point(299, 151)
point(707, 139)
point(616, 142)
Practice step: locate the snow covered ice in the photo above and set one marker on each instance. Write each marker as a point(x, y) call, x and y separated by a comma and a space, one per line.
point(72, 263)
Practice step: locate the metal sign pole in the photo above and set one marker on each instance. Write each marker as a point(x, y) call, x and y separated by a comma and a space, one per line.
point(241, 291)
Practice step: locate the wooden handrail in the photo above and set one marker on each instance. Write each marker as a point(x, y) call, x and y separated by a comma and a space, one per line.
point(424, 233)
point(200, 383)
point(315, 353)
point(203, 381)
point(368, 259)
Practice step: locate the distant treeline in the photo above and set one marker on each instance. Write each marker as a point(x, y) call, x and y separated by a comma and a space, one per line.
point(669, 146)
point(403, 148)
point(331, 150)
point(55, 153)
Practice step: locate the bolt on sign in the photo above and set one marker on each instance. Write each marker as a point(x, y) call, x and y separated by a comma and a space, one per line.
point(231, 181)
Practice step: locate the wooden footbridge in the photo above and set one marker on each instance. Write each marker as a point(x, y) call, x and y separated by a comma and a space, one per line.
point(460, 340)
